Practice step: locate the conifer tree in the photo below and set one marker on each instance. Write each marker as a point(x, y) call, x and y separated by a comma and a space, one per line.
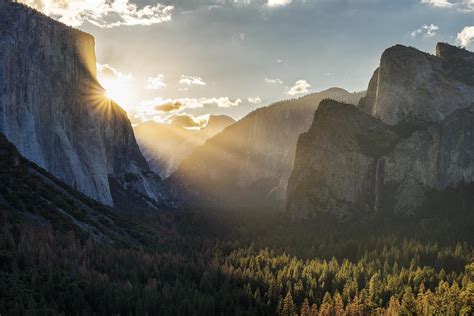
point(305, 309)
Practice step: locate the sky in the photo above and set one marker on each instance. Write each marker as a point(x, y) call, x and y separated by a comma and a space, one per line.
point(170, 58)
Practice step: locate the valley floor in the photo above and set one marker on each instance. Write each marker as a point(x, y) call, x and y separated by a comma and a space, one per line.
point(239, 263)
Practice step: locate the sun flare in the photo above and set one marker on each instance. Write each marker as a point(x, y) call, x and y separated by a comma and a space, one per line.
point(116, 91)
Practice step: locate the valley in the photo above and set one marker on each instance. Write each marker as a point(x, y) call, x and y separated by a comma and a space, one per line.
point(328, 202)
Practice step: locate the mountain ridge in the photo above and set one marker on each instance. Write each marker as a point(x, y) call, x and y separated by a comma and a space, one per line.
point(253, 156)
point(363, 172)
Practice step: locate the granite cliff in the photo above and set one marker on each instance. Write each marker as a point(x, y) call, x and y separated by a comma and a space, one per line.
point(249, 163)
point(412, 86)
point(412, 135)
point(55, 112)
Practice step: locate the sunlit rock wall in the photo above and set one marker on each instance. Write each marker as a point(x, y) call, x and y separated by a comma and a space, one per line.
point(54, 110)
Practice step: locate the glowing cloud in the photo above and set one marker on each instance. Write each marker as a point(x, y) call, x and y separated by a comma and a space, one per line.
point(255, 100)
point(190, 80)
point(300, 87)
point(278, 3)
point(102, 13)
point(187, 121)
point(169, 106)
point(155, 83)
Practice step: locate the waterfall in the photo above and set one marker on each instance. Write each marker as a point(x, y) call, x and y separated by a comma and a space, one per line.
point(379, 179)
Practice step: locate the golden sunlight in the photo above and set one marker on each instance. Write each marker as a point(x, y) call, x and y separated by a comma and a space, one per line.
point(114, 90)
point(118, 86)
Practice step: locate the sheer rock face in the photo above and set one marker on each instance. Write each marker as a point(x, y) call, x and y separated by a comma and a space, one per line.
point(337, 161)
point(54, 110)
point(411, 86)
point(353, 162)
point(249, 163)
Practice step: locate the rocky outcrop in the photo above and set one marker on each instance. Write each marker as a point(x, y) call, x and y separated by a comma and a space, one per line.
point(249, 163)
point(411, 86)
point(385, 156)
point(338, 162)
point(166, 145)
point(55, 112)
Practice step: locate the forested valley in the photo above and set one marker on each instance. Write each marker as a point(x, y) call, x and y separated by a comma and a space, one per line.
point(239, 263)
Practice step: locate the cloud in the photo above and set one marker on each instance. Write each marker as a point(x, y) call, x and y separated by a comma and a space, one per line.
point(255, 100)
point(105, 72)
point(461, 5)
point(155, 83)
point(301, 86)
point(273, 81)
point(169, 106)
point(438, 3)
point(187, 121)
point(466, 36)
point(102, 13)
point(426, 31)
point(222, 102)
point(278, 3)
point(192, 103)
point(190, 80)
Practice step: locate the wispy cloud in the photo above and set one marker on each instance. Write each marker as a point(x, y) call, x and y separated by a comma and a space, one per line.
point(461, 5)
point(102, 13)
point(466, 36)
point(155, 83)
point(255, 100)
point(273, 81)
point(426, 31)
point(438, 3)
point(190, 80)
point(300, 87)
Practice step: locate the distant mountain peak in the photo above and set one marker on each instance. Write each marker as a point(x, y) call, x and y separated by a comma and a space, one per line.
point(412, 86)
point(219, 120)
